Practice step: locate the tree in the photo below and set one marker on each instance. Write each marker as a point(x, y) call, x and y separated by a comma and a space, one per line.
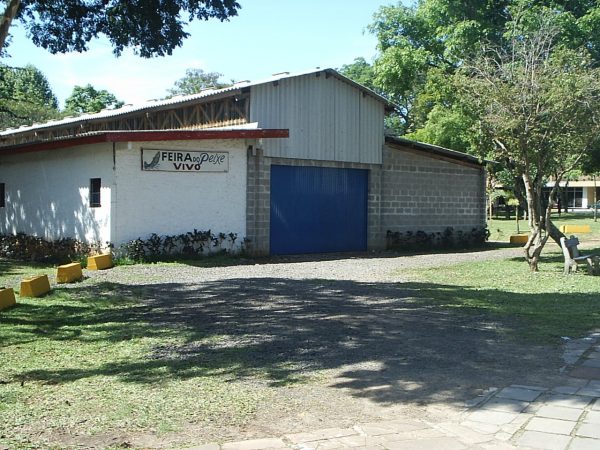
point(25, 97)
point(150, 27)
point(537, 106)
point(196, 80)
point(86, 99)
point(362, 72)
point(422, 46)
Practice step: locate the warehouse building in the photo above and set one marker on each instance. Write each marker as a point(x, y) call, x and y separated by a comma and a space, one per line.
point(293, 164)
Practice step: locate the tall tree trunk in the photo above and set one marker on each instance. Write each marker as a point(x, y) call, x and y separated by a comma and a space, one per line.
point(537, 238)
point(9, 14)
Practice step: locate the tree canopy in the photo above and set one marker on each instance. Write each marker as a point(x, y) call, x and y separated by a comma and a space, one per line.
point(26, 96)
point(362, 72)
point(150, 27)
point(422, 46)
point(87, 99)
point(196, 80)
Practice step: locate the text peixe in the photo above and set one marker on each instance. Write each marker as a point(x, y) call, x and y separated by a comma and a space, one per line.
point(211, 158)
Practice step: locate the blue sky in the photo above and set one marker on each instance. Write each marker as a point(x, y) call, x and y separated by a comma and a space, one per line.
point(268, 36)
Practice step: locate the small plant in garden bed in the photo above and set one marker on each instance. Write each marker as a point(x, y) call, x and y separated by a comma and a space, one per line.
point(420, 240)
point(191, 245)
point(23, 247)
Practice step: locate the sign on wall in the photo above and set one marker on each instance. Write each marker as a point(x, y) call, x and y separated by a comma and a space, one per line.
point(184, 161)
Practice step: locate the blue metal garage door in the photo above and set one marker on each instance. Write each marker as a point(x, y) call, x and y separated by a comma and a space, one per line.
point(318, 209)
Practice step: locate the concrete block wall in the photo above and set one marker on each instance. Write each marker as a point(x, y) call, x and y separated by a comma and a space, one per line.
point(258, 198)
point(420, 192)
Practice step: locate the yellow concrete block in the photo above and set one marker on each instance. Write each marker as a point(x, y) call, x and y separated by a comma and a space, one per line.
point(68, 273)
point(575, 229)
point(100, 262)
point(519, 239)
point(7, 298)
point(35, 286)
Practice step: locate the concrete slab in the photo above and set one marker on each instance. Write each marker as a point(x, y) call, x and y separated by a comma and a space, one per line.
point(590, 430)
point(390, 427)
point(445, 443)
point(589, 373)
point(491, 417)
point(533, 388)
point(505, 404)
point(575, 382)
point(589, 392)
point(584, 444)
point(544, 441)
point(319, 435)
point(343, 442)
point(591, 363)
point(559, 412)
point(498, 446)
point(565, 389)
point(480, 427)
point(594, 355)
point(518, 393)
point(204, 447)
point(554, 426)
point(567, 401)
point(465, 434)
point(256, 444)
point(592, 417)
point(596, 406)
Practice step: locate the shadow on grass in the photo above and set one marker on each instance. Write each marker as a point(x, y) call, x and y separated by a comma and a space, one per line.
point(553, 254)
point(385, 341)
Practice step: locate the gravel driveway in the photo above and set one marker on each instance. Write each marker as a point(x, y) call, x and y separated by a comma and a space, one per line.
point(340, 339)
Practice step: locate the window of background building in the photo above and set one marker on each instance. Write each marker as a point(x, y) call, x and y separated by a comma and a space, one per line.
point(95, 185)
point(575, 197)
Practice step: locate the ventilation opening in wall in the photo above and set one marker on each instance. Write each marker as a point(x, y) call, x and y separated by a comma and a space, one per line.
point(95, 184)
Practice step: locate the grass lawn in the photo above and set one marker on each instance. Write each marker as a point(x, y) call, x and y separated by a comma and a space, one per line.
point(549, 304)
point(501, 229)
point(77, 360)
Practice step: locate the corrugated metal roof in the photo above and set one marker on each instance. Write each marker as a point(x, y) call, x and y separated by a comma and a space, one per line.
point(434, 149)
point(181, 100)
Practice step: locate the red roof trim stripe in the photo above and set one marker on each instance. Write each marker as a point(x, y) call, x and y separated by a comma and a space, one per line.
point(137, 136)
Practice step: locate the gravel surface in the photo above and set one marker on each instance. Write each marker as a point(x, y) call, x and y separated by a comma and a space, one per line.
point(370, 268)
point(338, 339)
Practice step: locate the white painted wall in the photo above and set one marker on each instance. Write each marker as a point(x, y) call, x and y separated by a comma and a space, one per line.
point(47, 193)
point(172, 202)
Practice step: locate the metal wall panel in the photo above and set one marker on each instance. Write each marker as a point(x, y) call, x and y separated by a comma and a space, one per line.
point(318, 210)
point(329, 120)
point(371, 125)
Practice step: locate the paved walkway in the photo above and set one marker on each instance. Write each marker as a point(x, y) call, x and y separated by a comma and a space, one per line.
point(515, 417)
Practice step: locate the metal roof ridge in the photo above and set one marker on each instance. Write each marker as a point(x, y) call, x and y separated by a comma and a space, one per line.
point(148, 104)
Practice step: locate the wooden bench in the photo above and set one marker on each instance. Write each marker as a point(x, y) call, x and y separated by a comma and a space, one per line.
point(573, 258)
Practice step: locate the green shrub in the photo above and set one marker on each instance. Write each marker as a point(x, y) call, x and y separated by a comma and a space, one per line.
point(190, 245)
point(420, 240)
point(23, 247)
